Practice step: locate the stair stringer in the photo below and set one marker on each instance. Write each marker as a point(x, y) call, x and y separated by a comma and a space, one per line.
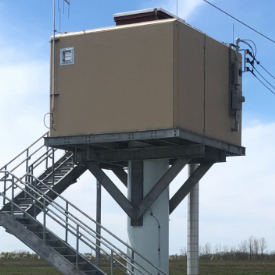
point(60, 187)
point(36, 244)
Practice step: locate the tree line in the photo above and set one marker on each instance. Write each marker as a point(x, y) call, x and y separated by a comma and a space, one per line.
point(250, 249)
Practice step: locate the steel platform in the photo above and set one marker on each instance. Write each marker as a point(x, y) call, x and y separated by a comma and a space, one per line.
point(114, 149)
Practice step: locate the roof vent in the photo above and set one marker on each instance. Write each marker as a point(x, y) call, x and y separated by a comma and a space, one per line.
point(142, 16)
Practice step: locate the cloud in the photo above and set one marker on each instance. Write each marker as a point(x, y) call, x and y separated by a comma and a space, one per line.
point(24, 101)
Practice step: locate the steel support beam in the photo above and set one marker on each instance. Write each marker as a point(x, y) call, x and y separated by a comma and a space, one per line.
point(112, 189)
point(136, 186)
point(117, 155)
point(188, 185)
point(161, 185)
point(163, 134)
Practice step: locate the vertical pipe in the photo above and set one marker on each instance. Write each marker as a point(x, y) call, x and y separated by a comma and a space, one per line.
point(53, 60)
point(177, 9)
point(193, 227)
point(98, 220)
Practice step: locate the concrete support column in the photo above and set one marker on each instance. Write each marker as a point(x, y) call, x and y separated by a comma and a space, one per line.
point(193, 228)
point(152, 238)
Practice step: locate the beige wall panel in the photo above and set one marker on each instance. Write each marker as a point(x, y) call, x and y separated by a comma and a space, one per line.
point(218, 121)
point(122, 80)
point(191, 96)
point(176, 74)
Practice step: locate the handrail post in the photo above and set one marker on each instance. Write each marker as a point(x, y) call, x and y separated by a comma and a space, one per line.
point(44, 221)
point(12, 197)
point(98, 225)
point(67, 220)
point(5, 186)
point(52, 166)
point(112, 261)
point(77, 244)
point(34, 209)
point(47, 158)
point(133, 262)
point(35, 195)
point(27, 163)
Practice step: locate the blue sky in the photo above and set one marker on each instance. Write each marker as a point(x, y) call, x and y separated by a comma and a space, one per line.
point(236, 197)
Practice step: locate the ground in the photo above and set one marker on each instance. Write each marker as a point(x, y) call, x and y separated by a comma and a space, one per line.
point(177, 267)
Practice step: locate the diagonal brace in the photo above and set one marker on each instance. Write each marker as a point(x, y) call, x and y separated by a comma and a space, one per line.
point(161, 185)
point(188, 185)
point(121, 174)
point(112, 189)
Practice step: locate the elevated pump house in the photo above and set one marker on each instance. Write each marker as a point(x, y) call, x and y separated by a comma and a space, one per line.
point(148, 93)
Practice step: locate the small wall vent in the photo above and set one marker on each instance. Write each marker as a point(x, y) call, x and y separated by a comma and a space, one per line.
point(66, 56)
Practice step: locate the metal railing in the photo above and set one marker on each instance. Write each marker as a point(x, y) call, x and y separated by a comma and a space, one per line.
point(25, 156)
point(37, 158)
point(74, 224)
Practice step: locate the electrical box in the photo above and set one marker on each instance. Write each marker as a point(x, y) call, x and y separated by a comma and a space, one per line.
point(161, 74)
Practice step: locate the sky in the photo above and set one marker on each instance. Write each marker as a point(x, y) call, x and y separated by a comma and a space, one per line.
point(236, 197)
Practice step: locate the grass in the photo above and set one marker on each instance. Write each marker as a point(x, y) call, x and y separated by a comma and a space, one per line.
point(177, 267)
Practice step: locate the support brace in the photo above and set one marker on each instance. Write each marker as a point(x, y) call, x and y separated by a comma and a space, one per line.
point(111, 189)
point(188, 185)
point(139, 206)
point(161, 185)
point(121, 174)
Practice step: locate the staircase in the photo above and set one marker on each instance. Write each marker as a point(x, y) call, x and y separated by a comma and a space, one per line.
point(35, 212)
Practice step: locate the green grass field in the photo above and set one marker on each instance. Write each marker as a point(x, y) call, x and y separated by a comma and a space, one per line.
point(177, 267)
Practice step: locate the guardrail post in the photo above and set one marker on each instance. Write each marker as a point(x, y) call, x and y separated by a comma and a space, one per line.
point(67, 220)
point(112, 261)
point(34, 209)
point(27, 164)
point(12, 197)
point(133, 262)
point(44, 221)
point(77, 244)
point(5, 186)
point(52, 166)
point(47, 158)
point(98, 220)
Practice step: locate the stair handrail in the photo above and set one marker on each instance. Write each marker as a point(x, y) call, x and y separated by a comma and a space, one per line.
point(111, 257)
point(76, 220)
point(24, 151)
point(94, 221)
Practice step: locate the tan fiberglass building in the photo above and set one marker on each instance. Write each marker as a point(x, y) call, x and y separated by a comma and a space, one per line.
point(145, 75)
